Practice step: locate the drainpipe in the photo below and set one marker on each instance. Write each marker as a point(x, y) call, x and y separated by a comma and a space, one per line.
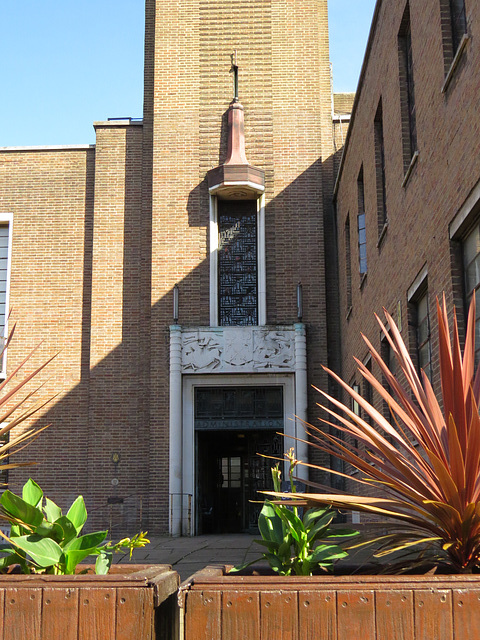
point(176, 429)
point(301, 397)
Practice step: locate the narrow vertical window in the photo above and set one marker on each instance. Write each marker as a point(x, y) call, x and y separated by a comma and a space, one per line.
point(458, 22)
point(368, 391)
point(471, 266)
point(407, 90)
point(380, 170)
point(237, 263)
point(362, 234)
point(388, 356)
point(5, 259)
point(424, 349)
point(4, 268)
point(356, 410)
point(348, 264)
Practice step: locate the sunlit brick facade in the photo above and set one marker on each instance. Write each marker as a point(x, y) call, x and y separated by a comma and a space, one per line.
point(106, 238)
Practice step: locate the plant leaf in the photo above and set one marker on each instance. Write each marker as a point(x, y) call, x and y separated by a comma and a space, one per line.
point(44, 551)
point(32, 494)
point(77, 514)
point(51, 510)
point(14, 505)
point(88, 541)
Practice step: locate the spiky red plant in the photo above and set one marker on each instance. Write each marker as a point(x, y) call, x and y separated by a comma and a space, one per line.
point(424, 469)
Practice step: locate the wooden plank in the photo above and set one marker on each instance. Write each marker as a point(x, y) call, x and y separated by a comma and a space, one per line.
point(433, 615)
point(60, 613)
point(278, 615)
point(394, 614)
point(2, 612)
point(96, 618)
point(240, 615)
point(466, 613)
point(317, 611)
point(356, 614)
point(23, 610)
point(203, 615)
point(134, 614)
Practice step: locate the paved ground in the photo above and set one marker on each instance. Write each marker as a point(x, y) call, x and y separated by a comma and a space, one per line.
point(188, 555)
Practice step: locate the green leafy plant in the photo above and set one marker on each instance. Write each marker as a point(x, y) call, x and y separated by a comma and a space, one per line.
point(43, 540)
point(424, 469)
point(298, 545)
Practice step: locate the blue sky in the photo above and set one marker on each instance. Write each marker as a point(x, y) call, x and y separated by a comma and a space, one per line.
point(66, 64)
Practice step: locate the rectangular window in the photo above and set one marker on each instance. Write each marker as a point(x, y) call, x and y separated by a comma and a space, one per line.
point(355, 407)
point(407, 90)
point(368, 391)
point(454, 29)
point(348, 263)
point(458, 22)
point(237, 263)
point(362, 234)
point(380, 170)
point(424, 348)
point(5, 260)
point(471, 267)
point(388, 356)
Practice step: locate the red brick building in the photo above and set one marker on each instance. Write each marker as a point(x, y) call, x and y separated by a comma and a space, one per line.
point(408, 190)
point(182, 280)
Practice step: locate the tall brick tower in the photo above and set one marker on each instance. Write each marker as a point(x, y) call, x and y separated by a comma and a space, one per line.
point(237, 256)
point(179, 266)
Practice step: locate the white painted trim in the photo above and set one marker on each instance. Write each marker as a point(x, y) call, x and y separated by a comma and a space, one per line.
point(213, 225)
point(237, 183)
point(8, 218)
point(301, 398)
point(123, 122)
point(175, 454)
point(261, 262)
point(464, 212)
point(51, 147)
point(417, 283)
point(291, 426)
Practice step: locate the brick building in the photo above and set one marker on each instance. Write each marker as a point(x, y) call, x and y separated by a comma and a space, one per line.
point(179, 265)
point(408, 190)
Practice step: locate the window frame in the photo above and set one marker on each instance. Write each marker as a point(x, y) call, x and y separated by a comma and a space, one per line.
point(380, 171)
point(407, 93)
point(361, 227)
point(261, 262)
point(6, 219)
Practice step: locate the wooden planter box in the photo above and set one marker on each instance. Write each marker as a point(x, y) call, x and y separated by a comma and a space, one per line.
point(217, 606)
point(133, 602)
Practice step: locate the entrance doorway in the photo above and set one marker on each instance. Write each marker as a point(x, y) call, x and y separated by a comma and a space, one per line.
point(229, 471)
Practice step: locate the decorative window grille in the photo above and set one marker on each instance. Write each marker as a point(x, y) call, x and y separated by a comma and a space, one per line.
point(237, 263)
point(238, 408)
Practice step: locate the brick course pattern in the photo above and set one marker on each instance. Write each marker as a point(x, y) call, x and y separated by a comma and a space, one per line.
point(102, 235)
point(421, 206)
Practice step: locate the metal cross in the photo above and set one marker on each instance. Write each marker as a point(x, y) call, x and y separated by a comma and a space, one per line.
point(234, 70)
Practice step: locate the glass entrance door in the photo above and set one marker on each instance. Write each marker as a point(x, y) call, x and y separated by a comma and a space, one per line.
point(230, 473)
point(232, 426)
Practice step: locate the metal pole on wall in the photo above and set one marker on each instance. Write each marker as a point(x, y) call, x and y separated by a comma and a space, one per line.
point(176, 430)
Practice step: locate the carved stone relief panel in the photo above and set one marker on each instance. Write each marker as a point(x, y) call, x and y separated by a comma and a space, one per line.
point(238, 350)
